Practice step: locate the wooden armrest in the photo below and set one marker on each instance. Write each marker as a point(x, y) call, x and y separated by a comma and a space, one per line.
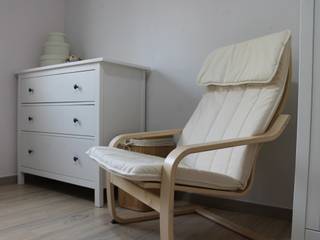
point(141, 135)
point(271, 134)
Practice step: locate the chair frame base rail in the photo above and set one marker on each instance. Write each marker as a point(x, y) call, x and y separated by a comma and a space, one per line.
point(146, 196)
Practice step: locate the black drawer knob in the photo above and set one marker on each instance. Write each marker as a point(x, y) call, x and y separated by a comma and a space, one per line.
point(30, 90)
point(30, 119)
point(30, 151)
point(75, 159)
point(76, 120)
point(76, 87)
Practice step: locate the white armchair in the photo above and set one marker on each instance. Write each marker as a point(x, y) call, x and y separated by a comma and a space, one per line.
point(247, 84)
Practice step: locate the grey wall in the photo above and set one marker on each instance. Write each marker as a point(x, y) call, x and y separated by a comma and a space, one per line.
point(23, 27)
point(174, 37)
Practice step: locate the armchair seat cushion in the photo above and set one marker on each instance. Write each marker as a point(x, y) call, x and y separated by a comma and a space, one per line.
point(142, 167)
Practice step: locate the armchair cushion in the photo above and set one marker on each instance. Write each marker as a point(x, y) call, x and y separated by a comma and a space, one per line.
point(252, 62)
point(234, 112)
point(247, 85)
point(142, 167)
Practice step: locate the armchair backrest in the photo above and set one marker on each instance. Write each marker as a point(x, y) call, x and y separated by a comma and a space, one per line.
point(246, 88)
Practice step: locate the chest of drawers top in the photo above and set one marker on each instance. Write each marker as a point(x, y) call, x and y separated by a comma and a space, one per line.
point(69, 82)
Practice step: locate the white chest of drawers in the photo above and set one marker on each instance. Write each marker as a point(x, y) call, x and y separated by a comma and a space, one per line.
point(65, 109)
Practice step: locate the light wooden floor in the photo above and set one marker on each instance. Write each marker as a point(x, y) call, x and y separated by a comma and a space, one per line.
point(41, 212)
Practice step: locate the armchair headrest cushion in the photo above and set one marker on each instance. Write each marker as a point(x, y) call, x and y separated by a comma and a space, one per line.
point(252, 62)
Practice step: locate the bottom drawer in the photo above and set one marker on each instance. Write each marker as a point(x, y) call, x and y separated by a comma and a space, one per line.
point(60, 155)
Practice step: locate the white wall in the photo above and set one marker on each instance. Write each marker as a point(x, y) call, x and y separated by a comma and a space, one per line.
point(174, 37)
point(23, 26)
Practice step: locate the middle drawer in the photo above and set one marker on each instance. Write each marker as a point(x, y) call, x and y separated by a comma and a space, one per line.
point(63, 119)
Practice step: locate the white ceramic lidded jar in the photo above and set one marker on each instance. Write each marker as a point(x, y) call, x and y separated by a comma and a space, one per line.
point(56, 49)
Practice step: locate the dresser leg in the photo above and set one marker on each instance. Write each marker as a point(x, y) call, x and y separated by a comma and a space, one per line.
point(20, 178)
point(98, 197)
point(99, 189)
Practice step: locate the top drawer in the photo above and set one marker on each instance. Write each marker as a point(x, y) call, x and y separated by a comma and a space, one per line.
point(66, 87)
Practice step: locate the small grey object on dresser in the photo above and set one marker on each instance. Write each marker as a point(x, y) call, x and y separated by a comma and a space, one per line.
point(65, 109)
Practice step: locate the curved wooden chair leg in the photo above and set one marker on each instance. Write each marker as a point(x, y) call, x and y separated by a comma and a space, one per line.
point(139, 217)
point(111, 201)
point(166, 208)
point(166, 224)
point(113, 212)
